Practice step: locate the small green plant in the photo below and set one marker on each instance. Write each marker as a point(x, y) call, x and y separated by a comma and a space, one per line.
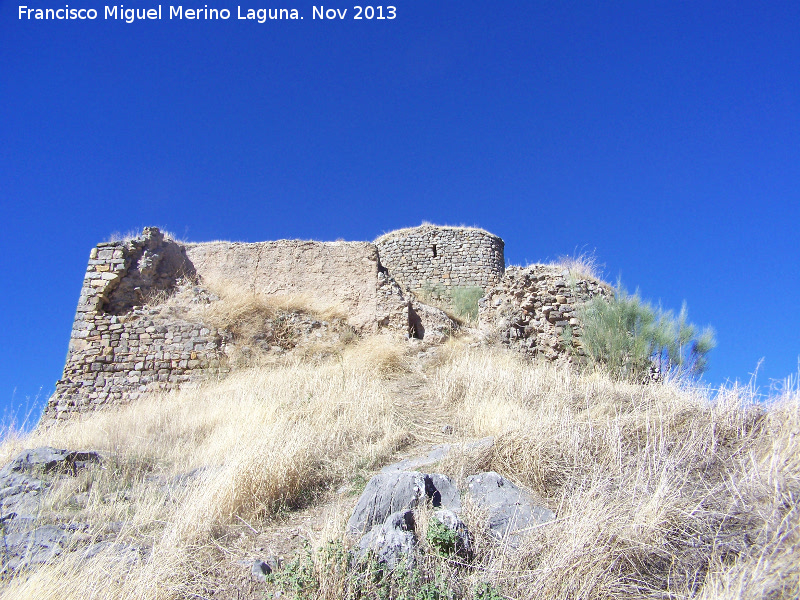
point(486, 591)
point(414, 585)
point(358, 482)
point(633, 340)
point(465, 302)
point(441, 538)
point(297, 577)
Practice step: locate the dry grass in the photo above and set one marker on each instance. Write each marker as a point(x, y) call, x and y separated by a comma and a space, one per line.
point(268, 441)
point(581, 265)
point(659, 492)
point(254, 323)
point(406, 230)
point(132, 234)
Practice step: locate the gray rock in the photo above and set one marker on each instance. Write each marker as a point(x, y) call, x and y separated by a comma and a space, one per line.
point(123, 553)
point(393, 541)
point(443, 492)
point(260, 570)
point(437, 453)
point(20, 496)
point(464, 544)
point(388, 493)
point(479, 445)
point(49, 460)
point(510, 509)
point(408, 464)
point(429, 323)
point(23, 481)
point(25, 549)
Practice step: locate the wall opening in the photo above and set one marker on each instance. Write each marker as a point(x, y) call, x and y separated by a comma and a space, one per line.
point(415, 327)
point(434, 250)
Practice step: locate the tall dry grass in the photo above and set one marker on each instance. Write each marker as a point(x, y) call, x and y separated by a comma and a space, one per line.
point(265, 441)
point(659, 491)
point(584, 265)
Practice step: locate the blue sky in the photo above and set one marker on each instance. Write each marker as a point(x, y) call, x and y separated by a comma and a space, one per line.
point(664, 136)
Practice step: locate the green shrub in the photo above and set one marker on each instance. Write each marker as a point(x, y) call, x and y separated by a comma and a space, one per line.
point(631, 339)
point(465, 302)
point(486, 591)
point(441, 538)
point(460, 302)
point(297, 577)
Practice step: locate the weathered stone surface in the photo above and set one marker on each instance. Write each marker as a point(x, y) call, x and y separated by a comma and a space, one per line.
point(442, 492)
point(259, 569)
point(28, 476)
point(151, 264)
point(333, 273)
point(510, 510)
point(392, 541)
point(120, 553)
point(48, 460)
point(20, 498)
point(23, 482)
point(438, 453)
point(430, 323)
point(387, 493)
point(28, 548)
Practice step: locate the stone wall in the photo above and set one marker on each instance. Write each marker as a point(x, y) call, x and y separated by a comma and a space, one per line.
point(126, 340)
point(330, 273)
point(533, 308)
point(422, 259)
point(120, 348)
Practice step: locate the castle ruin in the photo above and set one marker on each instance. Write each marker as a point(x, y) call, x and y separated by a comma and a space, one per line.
point(121, 346)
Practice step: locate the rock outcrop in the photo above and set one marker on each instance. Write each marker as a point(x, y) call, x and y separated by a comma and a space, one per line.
point(29, 541)
point(510, 510)
point(384, 517)
point(388, 493)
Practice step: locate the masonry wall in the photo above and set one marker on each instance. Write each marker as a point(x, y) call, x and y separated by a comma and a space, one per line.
point(120, 348)
point(425, 258)
point(533, 307)
point(124, 343)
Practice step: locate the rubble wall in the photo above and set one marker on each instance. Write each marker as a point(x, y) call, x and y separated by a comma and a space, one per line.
point(119, 347)
point(534, 310)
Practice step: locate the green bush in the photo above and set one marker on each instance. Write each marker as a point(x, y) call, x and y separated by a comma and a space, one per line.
point(460, 302)
point(465, 302)
point(441, 538)
point(486, 591)
point(631, 339)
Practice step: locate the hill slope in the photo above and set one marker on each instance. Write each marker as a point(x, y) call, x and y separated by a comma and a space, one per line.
point(657, 490)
